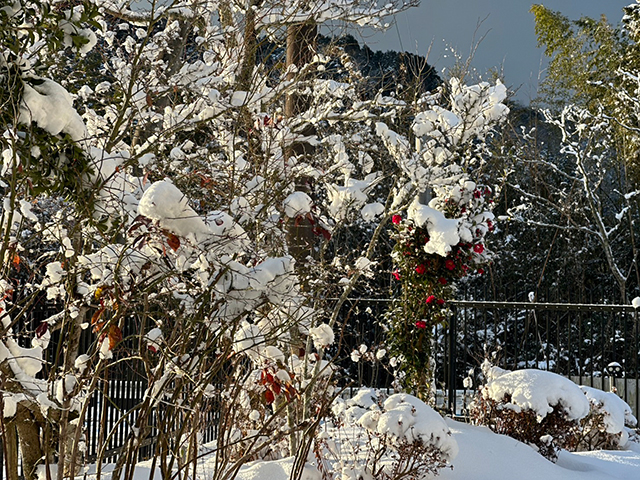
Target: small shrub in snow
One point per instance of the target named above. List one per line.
(606, 426)
(548, 436)
(405, 438)
(538, 408)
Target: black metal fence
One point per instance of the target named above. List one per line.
(112, 409)
(593, 344)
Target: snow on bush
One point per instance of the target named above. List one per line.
(404, 437)
(538, 391)
(407, 419)
(536, 407)
(606, 425)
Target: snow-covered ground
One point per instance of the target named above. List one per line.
(484, 455)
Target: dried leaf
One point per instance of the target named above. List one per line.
(173, 241)
(275, 388)
(115, 336)
(96, 316)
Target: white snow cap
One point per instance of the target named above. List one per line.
(51, 107)
(635, 302)
(371, 210)
(166, 204)
(296, 204)
(443, 232)
(408, 419)
(322, 336)
(538, 391)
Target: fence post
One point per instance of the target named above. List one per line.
(452, 362)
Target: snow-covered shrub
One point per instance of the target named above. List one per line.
(609, 422)
(539, 408)
(403, 438)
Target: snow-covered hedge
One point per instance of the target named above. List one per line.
(536, 407)
(549, 412)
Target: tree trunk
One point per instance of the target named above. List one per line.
(301, 47)
(10, 446)
(29, 435)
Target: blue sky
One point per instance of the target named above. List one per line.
(507, 26)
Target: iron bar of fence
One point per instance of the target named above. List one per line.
(576, 307)
(451, 405)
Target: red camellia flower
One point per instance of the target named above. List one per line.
(396, 275)
(420, 269)
(396, 219)
(440, 301)
(478, 248)
(450, 265)
(430, 299)
(442, 280)
(421, 324)
(481, 271)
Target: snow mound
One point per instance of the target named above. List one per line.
(297, 204)
(166, 204)
(275, 470)
(406, 418)
(538, 391)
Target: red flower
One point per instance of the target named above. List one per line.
(478, 248)
(421, 324)
(440, 301)
(481, 271)
(442, 280)
(450, 265)
(396, 275)
(477, 194)
(396, 219)
(430, 299)
(420, 269)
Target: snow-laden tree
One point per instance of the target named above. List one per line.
(584, 189)
(156, 175)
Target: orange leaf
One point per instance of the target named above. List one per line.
(96, 316)
(115, 336)
(173, 241)
(268, 396)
